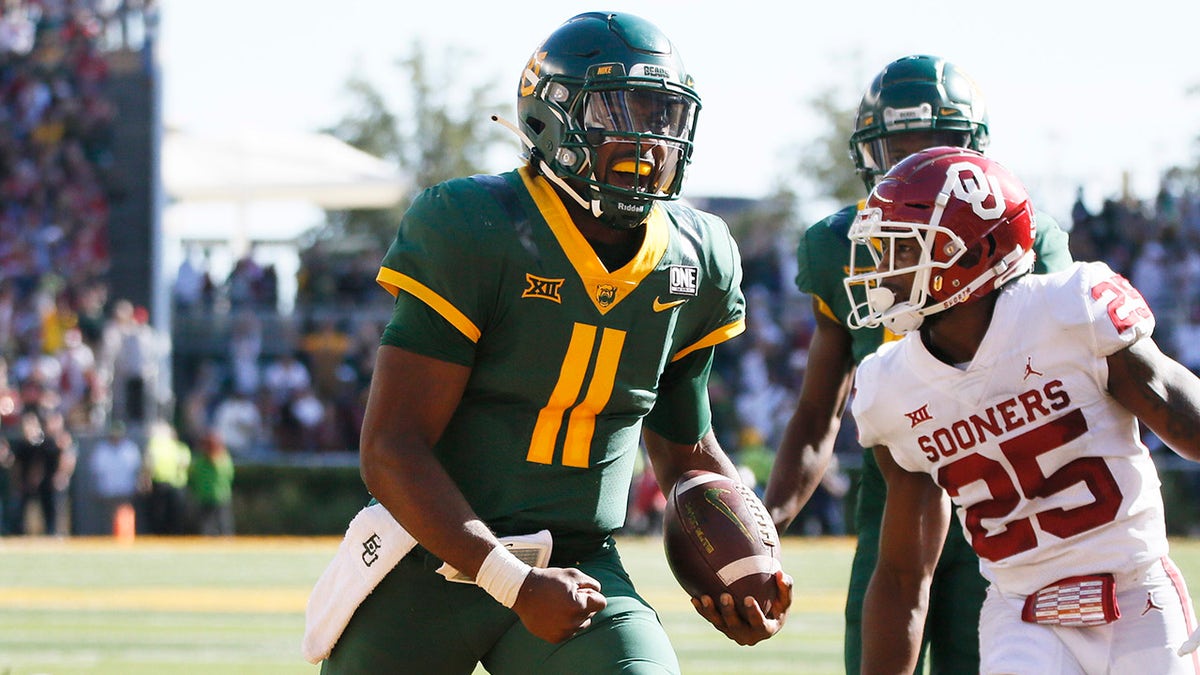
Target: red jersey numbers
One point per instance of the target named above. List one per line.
(1022, 452)
(1126, 306)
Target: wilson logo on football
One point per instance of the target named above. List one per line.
(719, 538)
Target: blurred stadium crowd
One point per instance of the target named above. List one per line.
(76, 363)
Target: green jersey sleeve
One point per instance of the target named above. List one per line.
(823, 263)
(822, 256)
(682, 412)
(709, 239)
(1049, 245)
(441, 269)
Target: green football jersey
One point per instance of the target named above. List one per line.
(567, 358)
(824, 262)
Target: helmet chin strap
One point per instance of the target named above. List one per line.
(592, 206)
(1015, 263)
(906, 318)
(904, 323)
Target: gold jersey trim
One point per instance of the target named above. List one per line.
(825, 309)
(714, 338)
(395, 282)
(606, 289)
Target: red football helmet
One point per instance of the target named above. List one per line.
(970, 220)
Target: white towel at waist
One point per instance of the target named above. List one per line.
(373, 544)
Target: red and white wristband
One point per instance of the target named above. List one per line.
(501, 575)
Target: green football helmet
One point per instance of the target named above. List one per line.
(916, 94)
(605, 106)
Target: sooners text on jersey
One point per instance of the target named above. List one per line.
(1025, 439)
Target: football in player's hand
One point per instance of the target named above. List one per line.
(719, 538)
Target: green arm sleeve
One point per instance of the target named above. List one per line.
(682, 413)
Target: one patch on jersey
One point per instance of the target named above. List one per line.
(685, 280)
(546, 289)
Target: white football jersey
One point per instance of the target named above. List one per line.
(1047, 470)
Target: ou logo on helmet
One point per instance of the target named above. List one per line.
(968, 182)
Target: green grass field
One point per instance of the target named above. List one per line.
(237, 606)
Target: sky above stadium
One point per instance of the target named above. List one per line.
(1079, 96)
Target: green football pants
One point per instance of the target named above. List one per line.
(952, 625)
(417, 622)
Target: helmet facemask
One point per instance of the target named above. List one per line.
(608, 114)
(881, 239)
(972, 230)
(627, 142)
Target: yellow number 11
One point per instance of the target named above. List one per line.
(581, 424)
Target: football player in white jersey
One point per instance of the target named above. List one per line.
(1018, 397)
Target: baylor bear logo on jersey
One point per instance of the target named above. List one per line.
(605, 294)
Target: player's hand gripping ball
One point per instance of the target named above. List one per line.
(719, 538)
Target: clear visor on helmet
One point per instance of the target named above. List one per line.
(638, 139)
(881, 154)
(640, 111)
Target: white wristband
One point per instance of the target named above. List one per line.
(501, 575)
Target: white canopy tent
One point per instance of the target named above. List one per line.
(271, 166)
(224, 193)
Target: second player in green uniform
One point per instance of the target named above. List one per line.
(913, 103)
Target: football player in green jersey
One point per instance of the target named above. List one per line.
(914, 103)
(546, 321)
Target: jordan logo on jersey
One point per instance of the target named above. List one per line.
(1029, 369)
(919, 416)
(1150, 604)
(546, 289)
